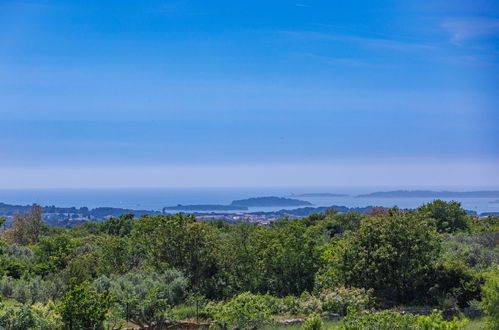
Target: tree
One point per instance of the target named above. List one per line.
(289, 257)
(84, 308)
(144, 298)
(490, 298)
(393, 254)
(446, 216)
(53, 252)
(113, 255)
(120, 226)
(179, 242)
(26, 227)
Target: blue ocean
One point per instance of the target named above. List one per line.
(157, 198)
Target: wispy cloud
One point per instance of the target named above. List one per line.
(392, 44)
(346, 61)
(467, 29)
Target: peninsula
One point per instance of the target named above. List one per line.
(432, 194)
(269, 201)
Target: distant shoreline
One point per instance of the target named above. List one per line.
(431, 194)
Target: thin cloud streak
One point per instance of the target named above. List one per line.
(468, 29)
(363, 41)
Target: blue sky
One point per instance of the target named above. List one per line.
(352, 89)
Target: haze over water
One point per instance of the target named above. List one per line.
(157, 198)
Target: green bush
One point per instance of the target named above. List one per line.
(394, 321)
(142, 297)
(243, 311)
(392, 254)
(84, 308)
(32, 289)
(490, 298)
(313, 323)
(341, 300)
(37, 317)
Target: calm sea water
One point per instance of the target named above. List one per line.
(157, 198)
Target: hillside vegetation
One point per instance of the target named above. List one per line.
(153, 271)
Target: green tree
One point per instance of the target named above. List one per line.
(120, 226)
(490, 298)
(113, 255)
(54, 252)
(289, 257)
(84, 308)
(179, 242)
(393, 254)
(144, 298)
(238, 261)
(447, 216)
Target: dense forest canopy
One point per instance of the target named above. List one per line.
(154, 269)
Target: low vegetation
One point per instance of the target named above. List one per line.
(356, 269)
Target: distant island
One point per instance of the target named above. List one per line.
(432, 194)
(320, 195)
(240, 205)
(270, 201)
(205, 207)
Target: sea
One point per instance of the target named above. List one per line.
(157, 198)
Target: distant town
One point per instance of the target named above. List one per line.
(236, 211)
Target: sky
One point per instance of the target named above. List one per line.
(248, 93)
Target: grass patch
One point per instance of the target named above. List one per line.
(477, 323)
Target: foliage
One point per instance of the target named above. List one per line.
(446, 216)
(53, 252)
(477, 250)
(281, 260)
(313, 323)
(26, 227)
(393, 321)
(490, 297)
(242, 274)
(180, 242)
(144, 298)
(243, 311)
(31, 290)
(25, 316)
(454, 284)
(333, 301)
(392, 254)
(341, 300)
(17, 318)
(121, 226)
(489, 223)
(84, 308)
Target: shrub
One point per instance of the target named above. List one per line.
(37, 316)
(446, 216)
(392, 254)
(341, 300)
(242, 311)
(313, 323)
(31, 290)
(490, 298)
(143, 297)
(46, 316)
(84, 308)
(395, 321)
(16, 318)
